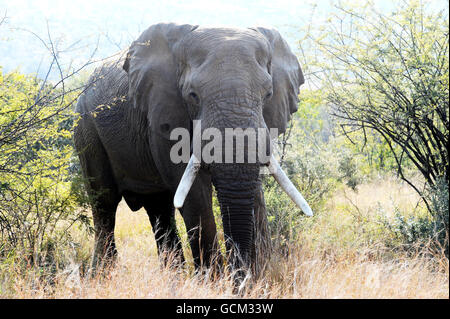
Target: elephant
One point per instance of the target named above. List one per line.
(172, 75)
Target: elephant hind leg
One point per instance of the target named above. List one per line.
(103, 192)
(161, 213)
(105, 251)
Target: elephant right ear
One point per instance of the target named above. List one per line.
(152, 74)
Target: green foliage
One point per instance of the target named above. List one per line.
(436, 226)
(39, 198)
(313, 160)
(431, 229)
(439, 198)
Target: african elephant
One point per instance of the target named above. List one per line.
(171, 75)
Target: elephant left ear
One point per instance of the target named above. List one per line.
(287, 76)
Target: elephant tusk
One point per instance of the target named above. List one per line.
(288, 187)
(186, 181)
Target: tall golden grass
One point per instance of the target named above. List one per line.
(336, 256)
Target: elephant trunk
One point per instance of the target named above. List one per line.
(236, 185)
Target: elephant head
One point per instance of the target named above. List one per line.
(227, 78)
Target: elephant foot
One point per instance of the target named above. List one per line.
(104, 258)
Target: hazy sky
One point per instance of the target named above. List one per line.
(117, 22)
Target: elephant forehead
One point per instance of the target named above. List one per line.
(224, 33)
(224, 40)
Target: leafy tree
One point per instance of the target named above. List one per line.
(389, 74)
(41, 191)
(39, 200)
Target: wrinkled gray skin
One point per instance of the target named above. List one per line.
(172, 75)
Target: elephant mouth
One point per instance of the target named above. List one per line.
(275, 170)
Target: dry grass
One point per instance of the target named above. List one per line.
(331, 260)
(387, 192)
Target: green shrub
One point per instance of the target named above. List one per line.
(431, 229)
(311, 159)
(39, 197)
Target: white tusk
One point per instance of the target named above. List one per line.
(186, 182)
(288, 187)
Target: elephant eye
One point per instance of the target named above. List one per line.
(268, 95)
(194, 98)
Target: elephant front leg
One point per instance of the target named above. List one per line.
(200, 224)
(262, 245)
